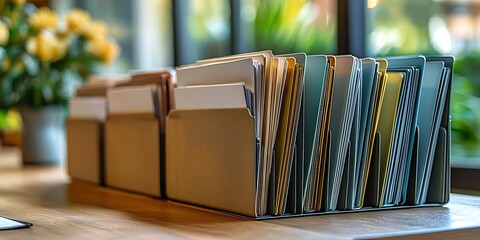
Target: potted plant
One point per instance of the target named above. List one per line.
(43, 58)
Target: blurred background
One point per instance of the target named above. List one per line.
(158, 33)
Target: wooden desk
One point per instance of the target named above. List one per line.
(60, 210)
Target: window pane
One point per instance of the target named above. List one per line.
(291, 26)
(203, 29)
(433, 27)
(403, 27)
(143, 29)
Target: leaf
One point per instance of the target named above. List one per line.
(31, 64)
(47, 93)
(3, 54)
(3, 119)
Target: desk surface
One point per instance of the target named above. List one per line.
(62, 210)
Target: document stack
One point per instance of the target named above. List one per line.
(264, 135)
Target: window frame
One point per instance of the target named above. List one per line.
(351, 39)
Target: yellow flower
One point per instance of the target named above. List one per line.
(14, 119)
(32, 46)
(47, 47)
(4, 34)
(17, 66)
(6, 64)
(106, 50)
(96, 30)
(62, 48)
(44, 18)
(18, 2)
(77, 21)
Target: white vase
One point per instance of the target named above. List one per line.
(43, 135)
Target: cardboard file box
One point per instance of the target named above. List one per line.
(133, 153)
(85, 150)
(211, 159)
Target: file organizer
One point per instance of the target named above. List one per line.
(211, 162)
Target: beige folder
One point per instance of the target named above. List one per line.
(132, 153)
(85, 150)
(211, 159)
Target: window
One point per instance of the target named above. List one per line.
(219, 27)
(158, 33)
(293, 26)
(143, 29)
(437, 27)
(202, 29)
(406, 27)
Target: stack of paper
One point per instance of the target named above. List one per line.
(90, 100)
(98, 84)
(372, 96)
(88, 108)
(315, 171)
(435, 87)
(150, 90)
(135, 99)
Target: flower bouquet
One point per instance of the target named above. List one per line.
(43, 57)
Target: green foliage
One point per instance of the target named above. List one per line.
(9, 120)
(295, 26)
(3, 120)
(396, 28)
(42, 61)
(15, 64)
(465, 106)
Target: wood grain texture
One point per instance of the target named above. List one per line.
(63, 210)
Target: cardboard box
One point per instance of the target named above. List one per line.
(85, 150)
(133, 153)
